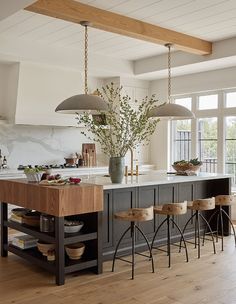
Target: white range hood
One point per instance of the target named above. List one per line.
(31, 92)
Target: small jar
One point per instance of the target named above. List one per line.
(46, 223)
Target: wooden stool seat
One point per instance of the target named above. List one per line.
(225, 200)
(135, 215)
(222, 216)
(171, 209)
(202, 204)
(197, 206)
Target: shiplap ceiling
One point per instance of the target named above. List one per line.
(207, 19)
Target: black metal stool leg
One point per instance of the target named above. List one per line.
(168, 239)
(231, 223)
(217, 227)
(209, 227)
(157, 232)
(149, 247)
(117, 246)
(222, 229)
(209, 221)
(133, 247)
(198, 233)
(185, 226)
(182, 237)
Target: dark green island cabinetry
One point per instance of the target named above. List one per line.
(123, 198)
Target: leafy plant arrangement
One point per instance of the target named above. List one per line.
(125, 127)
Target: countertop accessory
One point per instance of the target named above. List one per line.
(44, 248)
(83, 102)
(72, 226)
(168, 109)
(47, 223)
(75, 251)
(187, 167)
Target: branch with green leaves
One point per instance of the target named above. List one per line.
(121, 127)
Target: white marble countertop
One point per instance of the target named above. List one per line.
(81, 171)
(149, 178)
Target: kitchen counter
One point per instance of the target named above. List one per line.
(152, 177)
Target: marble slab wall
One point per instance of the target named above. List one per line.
(25, 145)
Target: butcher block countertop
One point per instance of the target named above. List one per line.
(54, 200)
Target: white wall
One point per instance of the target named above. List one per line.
(212, 80)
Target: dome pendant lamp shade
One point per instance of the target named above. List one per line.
(83, 102)
(171, 110)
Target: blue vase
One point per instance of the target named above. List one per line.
(116, 169)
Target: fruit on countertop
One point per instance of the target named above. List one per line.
(194, 162)
(54, 177)
(74, 180)
(29, 170)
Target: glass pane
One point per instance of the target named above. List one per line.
(185, 102)
(208, 102)
(182, 140)
(207, 143)
(231, 99)
(230, 147)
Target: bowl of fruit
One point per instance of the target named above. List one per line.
(34, 175)
(74, 180)
(184, 167)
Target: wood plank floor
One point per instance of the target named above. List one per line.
(211, 279)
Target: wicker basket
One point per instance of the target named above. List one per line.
(184, 168)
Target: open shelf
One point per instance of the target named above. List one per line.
(47, 237)
(34, 256)
(69, 238)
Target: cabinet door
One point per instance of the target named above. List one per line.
(107, 219)
(186, 193)
(123, 199)
(166, 194)
(147, 196)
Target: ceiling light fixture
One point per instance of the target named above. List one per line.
(83, 102)
(171, 110)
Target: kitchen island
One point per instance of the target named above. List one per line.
(151, 188)
(154, 188)
(84, 201)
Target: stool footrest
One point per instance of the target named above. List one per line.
(124, 260)
(144, 255)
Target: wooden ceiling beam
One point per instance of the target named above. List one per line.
(74, 11)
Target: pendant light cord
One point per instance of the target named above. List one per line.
(86, 60)
(169, 72)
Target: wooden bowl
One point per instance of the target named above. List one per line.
(75, 251)
(31, 219)
(44, 248)
(182, 169)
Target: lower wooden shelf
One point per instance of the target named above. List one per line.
(34, 256)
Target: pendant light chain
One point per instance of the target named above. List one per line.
(86, 60)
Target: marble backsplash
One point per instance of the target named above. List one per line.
(37, 145)
(23, 144)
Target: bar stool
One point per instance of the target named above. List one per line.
(198, 206)
(170, 210)
(134, 215)
(220, 201)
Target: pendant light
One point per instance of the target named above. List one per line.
(171, 110)
(83, 102)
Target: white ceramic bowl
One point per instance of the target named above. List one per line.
(73, 228)
(34, 177)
